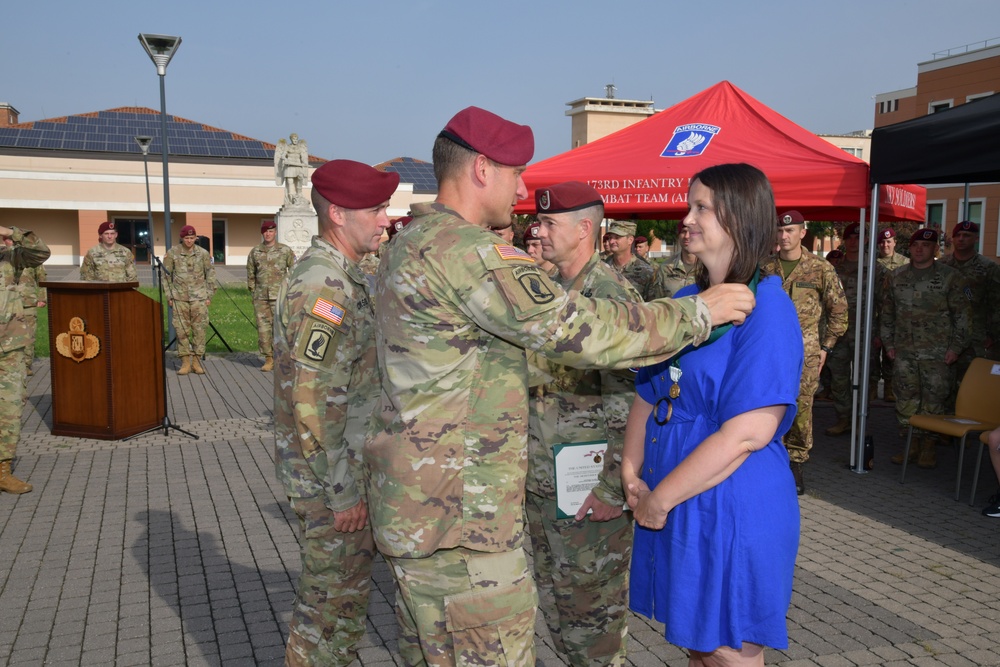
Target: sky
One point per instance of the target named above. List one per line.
(371, 81)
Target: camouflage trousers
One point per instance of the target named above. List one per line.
(12, 393)
(881, 366)
(264, 311)
(331, 603)
(463, 607)
(921, 386)
(190, 322)
(799, 439)
(31, 322)
(581, 570)
(840, 363)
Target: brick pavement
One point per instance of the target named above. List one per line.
(165, 550)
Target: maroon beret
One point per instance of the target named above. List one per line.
(966, 226)
(889, 233)
(834, 254)
(497, 138)
(188, 230)
(853, 229)
(397, 225)
(925, 234)
(641, 239)
(791, 218)
(354, 185)
(531, 232)
(568, 196)
(105, 226)
(266, 225)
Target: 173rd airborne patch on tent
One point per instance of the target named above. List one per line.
(690, 140)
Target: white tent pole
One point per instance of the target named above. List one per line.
(865, 349)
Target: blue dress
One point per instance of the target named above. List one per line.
(720, 572)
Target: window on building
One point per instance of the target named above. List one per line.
(935, 214)
(934, 107)
(855, 151)
(219, 241)
(975, 213)
(969, 98)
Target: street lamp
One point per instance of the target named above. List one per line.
(161, 48)
(144, 143)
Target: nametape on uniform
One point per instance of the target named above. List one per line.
(331, 311)
(509, 253)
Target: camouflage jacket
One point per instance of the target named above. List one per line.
(847, 271)
(191, 276)
(267, 266)
(456, 309)
(576, 405)
(818, 296)
(325, 377)
(670, 277)
(982, 279)
(926, 313)
(27, 285)
(116, 264)
(893, 261)
(28, 251)
(638, 271)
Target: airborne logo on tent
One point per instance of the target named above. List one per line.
(690, 140)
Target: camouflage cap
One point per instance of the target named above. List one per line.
(497, 138)
(966, 226)
(791, 218)
(621, 228)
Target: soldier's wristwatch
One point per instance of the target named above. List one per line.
(826, 349)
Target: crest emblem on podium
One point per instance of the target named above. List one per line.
(77, 344)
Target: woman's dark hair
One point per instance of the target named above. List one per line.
(744, 206)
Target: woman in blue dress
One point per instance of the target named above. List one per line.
(704, 468)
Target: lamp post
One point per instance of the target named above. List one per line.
(144, 143)
(161, 48)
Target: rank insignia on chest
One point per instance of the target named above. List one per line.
(331, 311)
(509, 253)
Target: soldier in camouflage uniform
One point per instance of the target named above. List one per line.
(841, 359)
(267, 266)
(815, 289)
(33, 297)
(639, 272)
(890, 260)
(925, 325)
(25, 251)
(982, 278)
(446, 454)
(533, 246)
(325, 388)
(107, 260)
(581, 563)
(671, 276)
(190, 286)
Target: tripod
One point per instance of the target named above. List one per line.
(167, 424)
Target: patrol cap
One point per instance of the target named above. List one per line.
(266, 225)
(105, 227)
(925, 234)
(835, 254)
(791, 218)
(354, 185)
(622, 228)
(531, 232)
(966, 226)
(568, 196)
(887, 234)
(188, 230)
(497, 138)
(397, 225)
(853, 229)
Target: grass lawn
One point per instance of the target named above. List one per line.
(231, 312)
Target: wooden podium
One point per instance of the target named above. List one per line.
(105, 343)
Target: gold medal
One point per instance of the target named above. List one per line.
(675, 390)
(675, 375)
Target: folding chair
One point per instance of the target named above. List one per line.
(976, 409)
(983, 442)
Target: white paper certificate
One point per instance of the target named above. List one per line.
(578, 466)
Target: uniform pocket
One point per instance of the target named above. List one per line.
(493, 626)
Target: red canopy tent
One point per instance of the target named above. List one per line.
(644, 170)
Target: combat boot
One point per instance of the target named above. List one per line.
(196, 364)
(928, 453)
(268, 364)
(914, 453)
(800, 486)
(9, 483)
(887, 392)
(185, 367)
(842, 426)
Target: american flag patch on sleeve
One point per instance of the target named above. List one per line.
(509, 253)
(330, 311)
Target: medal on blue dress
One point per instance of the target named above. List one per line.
(675, 376)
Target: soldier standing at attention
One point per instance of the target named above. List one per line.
(190, 286)
(642, 248)
(23, 252)
(638, 271)
(815, 289)
(267, 266)
(533, 246)
(841, 360)
(982, 278)
(890, 260)
(447, 451)
(581, 563)
(925, 325)
(107, 260)
(678, 272)
(32, 298)
(325, 388)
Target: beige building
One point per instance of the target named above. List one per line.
(596, 117)
(63, 177)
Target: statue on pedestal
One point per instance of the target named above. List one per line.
(291, 168)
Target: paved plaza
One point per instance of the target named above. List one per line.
(166, 550)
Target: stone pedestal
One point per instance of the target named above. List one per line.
(296, 227)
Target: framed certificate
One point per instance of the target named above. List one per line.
(577, 466)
